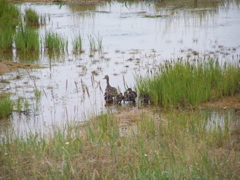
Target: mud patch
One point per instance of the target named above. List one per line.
(6, 66)
(225, 102)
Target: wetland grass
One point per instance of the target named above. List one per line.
(27, 40)
(7, 27)
(54, 43)
(31, 18)
(77, 45)
(9, 16)
(6, 106)
(184, 83)
(176, 145)
(6, 40)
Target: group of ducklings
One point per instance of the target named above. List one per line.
(111, 95)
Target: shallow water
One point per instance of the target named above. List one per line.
(136, 38)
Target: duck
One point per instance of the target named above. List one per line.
(126, 96)
(144, 98)
(109, 90)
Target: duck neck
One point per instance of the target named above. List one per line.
(108, 82)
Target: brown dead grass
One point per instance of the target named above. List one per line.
(225, 102)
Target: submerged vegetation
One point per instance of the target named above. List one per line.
(177, 145)
(184, 83)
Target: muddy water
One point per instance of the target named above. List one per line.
(136, 38)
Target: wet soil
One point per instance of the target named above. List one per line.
(6, 66)
(225, 102)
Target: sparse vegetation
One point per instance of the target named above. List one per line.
(175, 146)
(77, 44)
(184, 83)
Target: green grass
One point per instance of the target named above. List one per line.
(6, 40)
(27, 40)
(183, 83)
(175, 146)
(31, 18)
(9, 16)
(6, 106)
(54, 42)
(9, 19)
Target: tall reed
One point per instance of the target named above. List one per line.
(184, 83)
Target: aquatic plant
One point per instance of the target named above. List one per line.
(31, 18)
(77, 45)
(92, 43)
(9, 19)
(176, 145)
(37, 94)
(27, 40)
(95, 43)
(6, 106)
(183, 83)
(6, 40)
(100, 42)
(9, 16)
(53, 42)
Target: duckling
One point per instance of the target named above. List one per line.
(112, 91)
(144, 98)
(126, 96)
(108, 98)
(119, 97)
(130, 95)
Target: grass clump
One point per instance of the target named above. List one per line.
(54, 43)
(27, 40)
(77, 45)
(9, 16)
(183, 83)
(31, 18)
(175, 146)
(9, 19)
(6, 106)
(6, 40)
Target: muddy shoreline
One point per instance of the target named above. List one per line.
(7, 66)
